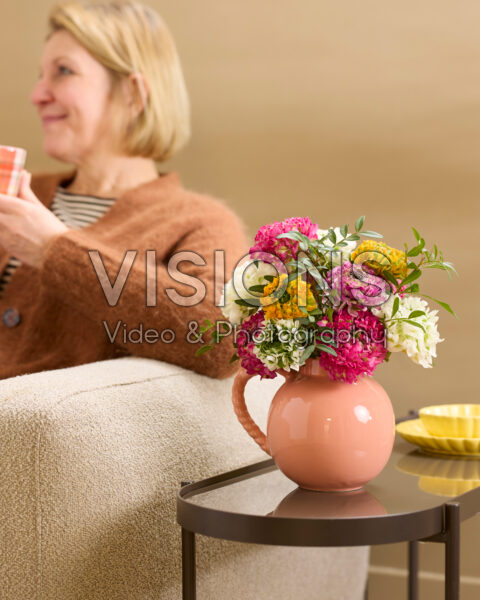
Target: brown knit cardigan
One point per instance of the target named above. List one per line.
(62, 310)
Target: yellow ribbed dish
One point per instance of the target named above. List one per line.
(452, 420)
(414, 432)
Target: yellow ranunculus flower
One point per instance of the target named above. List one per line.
(289, 309)
(383, 258)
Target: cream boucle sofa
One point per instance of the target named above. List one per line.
(91, 460)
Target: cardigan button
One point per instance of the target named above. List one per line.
(11, 317)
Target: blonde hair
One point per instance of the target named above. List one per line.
(129, 38)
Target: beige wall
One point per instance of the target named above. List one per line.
(328, 109)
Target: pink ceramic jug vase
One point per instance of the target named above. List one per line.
(324, 435)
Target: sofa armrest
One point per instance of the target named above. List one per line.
(91, 459)
(89, 453)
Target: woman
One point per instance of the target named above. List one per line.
(84, 255)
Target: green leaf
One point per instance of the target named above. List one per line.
(233, 358)
(389, 277)
(294, 235)
(409, 278)
(415, 251)
(416, 234)
(270, 278)
(203, 350)
(255, 262)
(307, 353)
(444, 266)
(416, 313)
(225, 326)
(442, 304)
(450, 266)
(242, 302)
(256, 288)
(293, 277)
(353, 237)
(327, 349)
(303, 320)
(396, 305)
(373, 234)
(412, 289)
(415, 324)
(344, 230)
(322, 248)
(359, 223)
(332, 236)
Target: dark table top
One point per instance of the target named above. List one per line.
(405, 501)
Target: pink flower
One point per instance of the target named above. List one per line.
(360, 345)
(286, 249)
(357, 290)
(249, 361)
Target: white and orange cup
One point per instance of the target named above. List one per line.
(12, 161)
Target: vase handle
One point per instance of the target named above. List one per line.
(240, 408)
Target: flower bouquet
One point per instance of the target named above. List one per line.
(305, 292)
(324, 308)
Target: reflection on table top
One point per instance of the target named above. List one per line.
(411, 481)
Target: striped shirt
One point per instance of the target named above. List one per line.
(75, 210)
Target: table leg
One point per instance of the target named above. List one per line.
(452, 551)
(413, 570)
(189, 591)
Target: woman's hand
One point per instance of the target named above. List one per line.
(26, 225)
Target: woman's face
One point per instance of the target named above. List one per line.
(73, 100)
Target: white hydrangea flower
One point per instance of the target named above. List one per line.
(286, 354)
(418, 345)
(235, 290)
(347, 250)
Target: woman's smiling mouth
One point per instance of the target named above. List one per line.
(52, 119)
